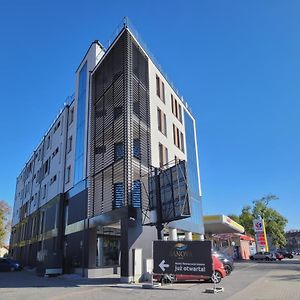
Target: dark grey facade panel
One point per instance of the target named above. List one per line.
(40, 236)
(73, 251)
(50, 217)
(77, 207)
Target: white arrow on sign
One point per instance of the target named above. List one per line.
(163, 265)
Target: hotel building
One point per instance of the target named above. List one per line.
(82, 199)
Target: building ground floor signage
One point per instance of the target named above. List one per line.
(182, 257)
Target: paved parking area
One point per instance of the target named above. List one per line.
(250, 280)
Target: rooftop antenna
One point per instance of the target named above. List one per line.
(125, 22)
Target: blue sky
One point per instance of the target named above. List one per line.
(237, 63)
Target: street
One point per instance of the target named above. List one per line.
(249, 280)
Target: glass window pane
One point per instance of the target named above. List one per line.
(118, 195)
(136, 194)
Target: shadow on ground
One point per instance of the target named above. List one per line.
(23, 279)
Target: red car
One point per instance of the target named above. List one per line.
(279, 255)
(219, 273)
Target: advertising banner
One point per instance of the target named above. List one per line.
(182, 257)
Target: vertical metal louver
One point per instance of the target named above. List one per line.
(120, 129)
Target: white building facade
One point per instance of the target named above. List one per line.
(82, 199)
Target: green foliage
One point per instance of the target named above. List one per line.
(4, 223)
(235, 218)
(274, 221)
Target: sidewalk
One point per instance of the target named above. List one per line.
(278, 284)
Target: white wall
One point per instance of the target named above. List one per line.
(155, 102)
(28, 188)
(35, 195)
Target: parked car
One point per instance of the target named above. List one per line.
(226, 260)
(263, 256)
(219, 273)
(286, 254)
(7, 264)
(278, 255)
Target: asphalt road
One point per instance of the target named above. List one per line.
(249, 280)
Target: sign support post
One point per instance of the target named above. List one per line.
(159, 225)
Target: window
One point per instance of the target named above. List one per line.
(55, 152)
(136, 108)
(44, 191)
(71, 117)
(163, 155)
(136, 194)
(66, 213)
(35, 199)
(47, 166)
(42, 222)
(118, 195)
(179, 113)
(40, 154)
(181, 142)
(136, 148)
(53, 179)
(178, 138)
(163, 92)
(33, 227)
(48, 142)
(157, 86)
(80, 125)
(68, 174)
(176, 108)
(160, 89)
(162, 122)
(174, 135)
(191, 154)
(100, 150)
(69, 144)
(56, 126)
(100, 113)
(119, 151)
(117, 112)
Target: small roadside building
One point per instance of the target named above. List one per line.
(3, 251)
(228, 236)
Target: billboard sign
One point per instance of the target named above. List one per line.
(173, 192)
(182, 257)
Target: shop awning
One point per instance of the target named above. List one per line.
(221, 224)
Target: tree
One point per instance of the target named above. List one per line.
(235, 218)
(274, 221)
(4, 221)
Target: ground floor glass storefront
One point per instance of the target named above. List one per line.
(108, 246)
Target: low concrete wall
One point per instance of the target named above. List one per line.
(101, 272)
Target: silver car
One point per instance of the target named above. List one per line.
(263, 256)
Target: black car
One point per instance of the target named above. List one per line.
(7, 264)
(226, 260)
(286, 254)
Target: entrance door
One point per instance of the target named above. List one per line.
(108, 249)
